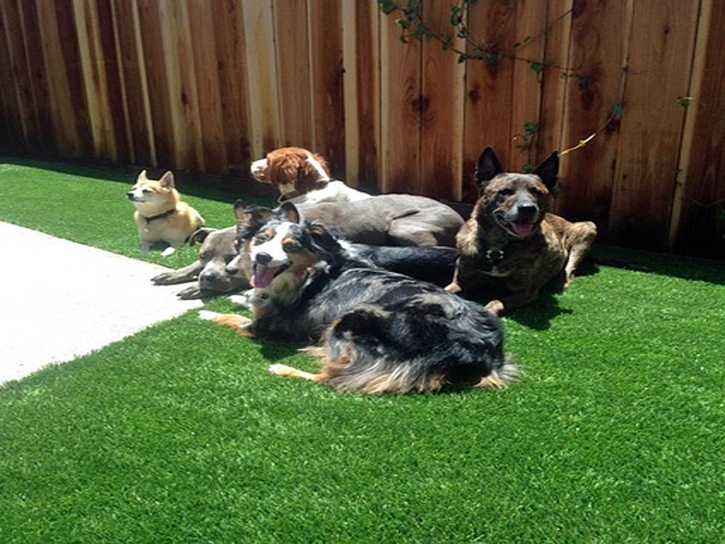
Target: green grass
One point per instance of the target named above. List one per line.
(178, 434)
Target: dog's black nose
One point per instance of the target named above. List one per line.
(263, 258)
(527, 211)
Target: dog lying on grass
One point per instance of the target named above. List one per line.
(379, 332)
(209, 271)
(221, 269)
(302, 177)
(511, 247)
(161, 215)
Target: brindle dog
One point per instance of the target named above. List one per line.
(511, 247)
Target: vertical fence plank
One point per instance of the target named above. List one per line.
(488, 106)
(294, 74)
(556, 60)
(659, 71)
(152, 56)
(400, 97)
(264, 113)
(441, 109)
(327, 90)
(530, 16)
(207, 108)
(594, 82)
(699, 216)
(134, 83)
(93, 68)
(360, 22)
(182, 93)
(18, 64)
(233, 84)
(11, 110)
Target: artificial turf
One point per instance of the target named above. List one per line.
(178, 433)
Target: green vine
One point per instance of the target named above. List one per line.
(414, 27)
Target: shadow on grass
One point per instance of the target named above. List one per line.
(218, 188)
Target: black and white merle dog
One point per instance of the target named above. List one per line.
(378, 331)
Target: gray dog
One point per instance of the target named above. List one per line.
(216, 252)
(389, 220)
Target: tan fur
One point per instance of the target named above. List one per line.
(152, 198)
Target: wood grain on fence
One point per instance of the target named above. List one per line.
(210, 85)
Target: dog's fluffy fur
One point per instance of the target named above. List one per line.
(302, 177)
(511, 247)
(161, 215)
(380, 331)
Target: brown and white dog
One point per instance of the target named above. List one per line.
(302, 177)
(161, 215)
(511, 247)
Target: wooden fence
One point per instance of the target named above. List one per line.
(208, 85)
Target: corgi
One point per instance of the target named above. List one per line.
(161, 215)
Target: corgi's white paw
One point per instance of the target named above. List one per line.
(206, 314)
(168, 251)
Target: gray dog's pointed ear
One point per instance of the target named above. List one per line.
(487, 166)
(200, 235)
(548, 170)
(289, 212)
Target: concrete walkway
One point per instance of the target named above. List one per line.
(60, 300)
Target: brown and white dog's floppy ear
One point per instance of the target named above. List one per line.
(289, 212)
(548, 170)
(487, 166)
(167, 180)
(200, 235)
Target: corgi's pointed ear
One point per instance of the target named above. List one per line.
(289, 212)
(487, 166)
(167, 180)
(143, 175)
(548, 170)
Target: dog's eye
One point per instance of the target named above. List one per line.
(204, 255)
(506, 192)
(146, 191)
(260, 238)
(291, 245)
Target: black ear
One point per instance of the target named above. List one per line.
(250, 214)
(289, 212)
(549, 170)
(487, 166)
(239, 207)
(323, 237)
(200, 235)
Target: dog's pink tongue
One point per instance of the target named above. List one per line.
(521, 228)
(263, 276)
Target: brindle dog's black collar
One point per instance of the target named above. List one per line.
(159, 216)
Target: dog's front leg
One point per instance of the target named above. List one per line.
(182, 275)
(242, 325)
(516, 299)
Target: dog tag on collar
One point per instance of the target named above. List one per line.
(494, 255)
